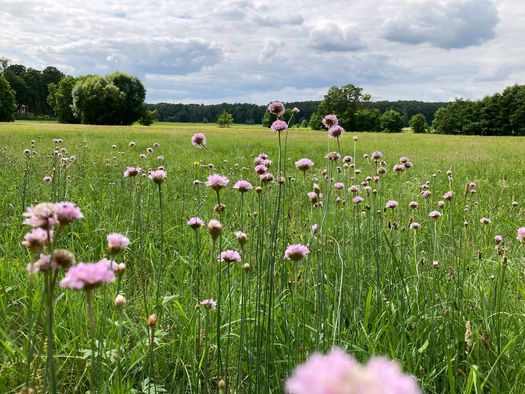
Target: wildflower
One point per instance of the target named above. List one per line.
(330, 121)
(391, 204)
(296, 252)
(304, 164)
(37, 239)
(157, 176)
(217, 182)
(426, 193)
(357, 200)
(152, 320)
(132, 172)
(338, 373)
(279, 126)
(314, 197)
(398, 168)
(413, 204)
(42, 215)
(215, 228)
(87, 276)
(120, 301)
(484, 221)
(498, 239)
(435, 214)
(441, 204)
(276, 108)
(354, 189)
(403, 159)
(381, 170)
(266, 177)
(131, 144)
(376, 155)
(260, 169)
(208, 304)
(195, 222)
(160, 158)
(348, 159)
(43, 264)
(198, 140)
(117, 242)
(521, 234)
(333, 156)
(67, 212)
(242, 238)
(408, 164)
(243, 186)
(415, 226)
(339, 185)
(62, 258)
(448, 195)
(314, 228)
(335, 131)
(230, 256)
(296, 110)
(143, 156)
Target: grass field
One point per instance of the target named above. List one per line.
(445, 301)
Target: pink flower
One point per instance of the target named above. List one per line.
(67, 212)
(117, 242)
(330, 121)
(243, 186)
(296, 252)
(413, 204)
(484, 221)
(230, 256)
(435, 214)
(42, 264)
(348, 159)
(208, 304)
(157, 176)
(296, 110)
(314, 228)
(426, 193)
(448, 195)
(276, 108)
(37, 239)
(333, 156)
(391, 204)
(441, 203)
(398, 168)
(335, 131)
(357, 200)
(415, 226)
(279, 126)
(521, 234)
(403, 159)
(198, 140)
(217, 182)
(304, 164)
(339, 185)
(376, 155)
(242, 238)
(266, 177)
(354, 189)
(261, 169)
(498, 239)
(132, 172)
(313, 196)
(41, 215)
(195, 222)
(87, 276)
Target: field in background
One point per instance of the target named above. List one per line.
(369, 285)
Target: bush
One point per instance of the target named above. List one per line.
(7, 101)
(418, 123)
(391, 121)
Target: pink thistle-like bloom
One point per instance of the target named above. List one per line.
(47, 179)
(415, 226)
(304, 164)
(335, 131)
(242, 238)
(243, 186)
(37, 239)
(484, 221)
(43, 264)
(338, 373)
(330, 121)
(398, 168)
(376, 155)
(296, 110)
(381, 170)
(426, 193)
(391, 204)
(157, 176)
(521, 234)
(217, 182)
(448, 195)
(230, 256)
(296, 252)
(435, 214)
(117, 242)
(276, 108)
(424, 186)
(354, 189)
(132, 172)
(333, 156)
(339, 185)
(208, 304)
(314, 197)
(266, 177)
(413, 204)
(357, 199)
(87, 276)
(195, 222)
(498, 239)
(132, 144)
(314, 228)
(41, 215)
(472, 184)
(408, 164)
(198, 140)
(261, 169)
(67, 212)
(403, 159)
(441, 203)
(279, 126)
(348, 159)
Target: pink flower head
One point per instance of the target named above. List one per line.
(157, 176)
(357, 200)
(333, 156)
(314, 197)
(376, 155)
(435, 214)
(230, 256)
(415, 226)
(391, 204)
(208, 304)
(426, 193)
(266, 177)
(348, 159)
(117, 242)
(43, 264)
(87, 276)
(198, 140)
(448, 195)
(67, 212)
(276, 108)
(521, 234)
(195, 222)
(304, 164)
(381, 170)
(42, 215)
(37, 239)
(261, 169)
(314, 228)
(242, 238)
(279, 126)
(408, 164)
(398, 168)
(131, 144)
(217, 182)
(296, 110)
(498, 239)
(296, 252)
(403, 159)
(132, 172)
(441, 203)
(243, 186)
(339, 185)
(354, 189)
(472, 184)
(413, 204)
(335, 131)
(484, 221)
(330, 121)
(47, 179)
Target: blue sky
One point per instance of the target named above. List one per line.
(208, 51)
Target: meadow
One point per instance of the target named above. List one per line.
(442, 295)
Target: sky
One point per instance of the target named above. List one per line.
(213, 51)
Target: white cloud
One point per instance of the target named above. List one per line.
(332, 37)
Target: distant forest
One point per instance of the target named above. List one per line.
(254, 114)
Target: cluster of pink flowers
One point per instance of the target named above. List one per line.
(304, 164)
(339, 373)
(217, 182)
(296, 252)
(208, 304)
(87, 276)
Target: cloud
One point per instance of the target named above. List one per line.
(248, 12)
(332, 37)
(444, 24)
(270, 50)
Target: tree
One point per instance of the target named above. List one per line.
(225, 119)
(131, 108)
(60, 100)
(391, 121)
(315, 122)
(148, 117)
(368, 119)
(7, 101)
(343, 101)
(418, 123)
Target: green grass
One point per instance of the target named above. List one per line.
(368, 285)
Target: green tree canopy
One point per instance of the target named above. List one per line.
(60, 100)
(391, 121)
(225, 119)
(7, 101)
(418, 123)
